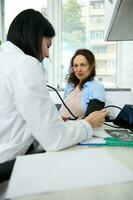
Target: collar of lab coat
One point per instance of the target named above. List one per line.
(9, 46)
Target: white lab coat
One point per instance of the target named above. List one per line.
(27, 112)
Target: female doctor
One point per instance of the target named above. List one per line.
(26, 111)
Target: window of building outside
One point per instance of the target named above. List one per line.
(82, 26)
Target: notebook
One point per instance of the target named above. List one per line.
(111, 137)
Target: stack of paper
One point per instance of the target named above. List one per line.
(98, 138)
(56, 171)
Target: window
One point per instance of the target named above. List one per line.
(97, 35)
(78, 24)
(99, 49)
(12, 11)
(83, 27)
(97, 4)
(97, 21)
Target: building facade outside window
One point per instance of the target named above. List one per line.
(83, 27)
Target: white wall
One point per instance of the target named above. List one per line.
(113, 97)
(127, 64)
(118, 98)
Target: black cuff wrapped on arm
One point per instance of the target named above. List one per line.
(94, 105)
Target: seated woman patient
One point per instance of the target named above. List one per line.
(83, 94)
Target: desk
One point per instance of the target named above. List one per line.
(121, 191)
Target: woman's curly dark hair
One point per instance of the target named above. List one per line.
(91, 60)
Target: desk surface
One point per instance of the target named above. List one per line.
(121, 191)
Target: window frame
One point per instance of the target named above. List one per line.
(54, 13)
(2, 16)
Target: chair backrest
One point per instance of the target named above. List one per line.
(58, 105)
(6, 170)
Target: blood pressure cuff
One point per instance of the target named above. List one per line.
(94, 105)
(125, 117)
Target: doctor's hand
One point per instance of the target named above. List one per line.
(97, 118)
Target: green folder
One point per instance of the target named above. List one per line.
(116, 137)
(118, 142)
(122, 138)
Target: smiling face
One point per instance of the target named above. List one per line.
(46, 43)
(81, 67)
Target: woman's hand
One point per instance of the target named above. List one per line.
(65, 118)
(97, 118)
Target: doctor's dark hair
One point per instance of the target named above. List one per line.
(27, 31)
(91, 61)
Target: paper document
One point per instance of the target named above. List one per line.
(56, 171)
(98, 138)
(94, 141)
(100, 132)
(110, 137)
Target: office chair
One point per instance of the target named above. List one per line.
(6, 170)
